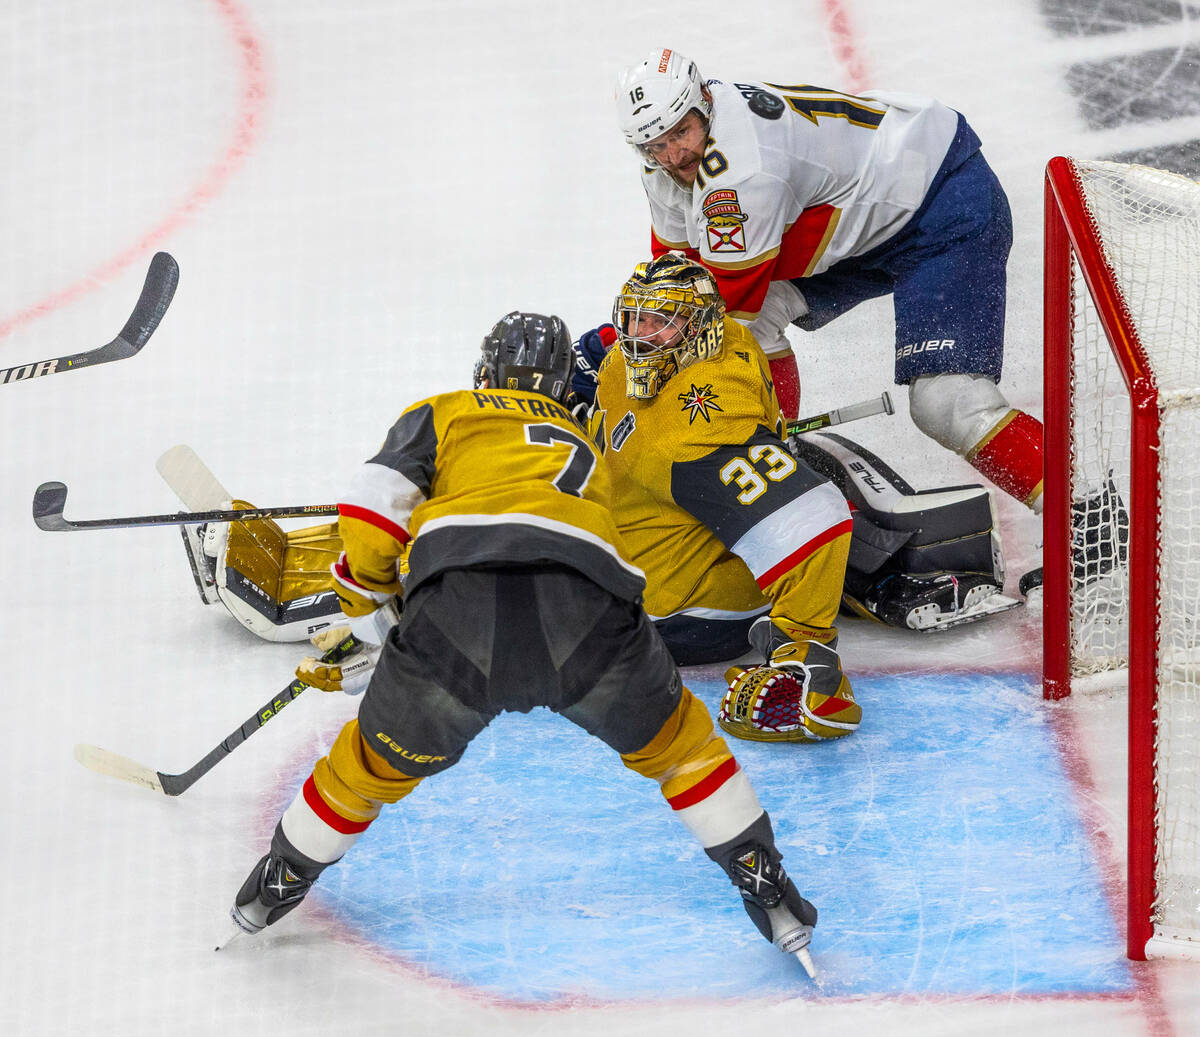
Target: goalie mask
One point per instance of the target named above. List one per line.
(527, 351)
(669, 314)
(654, 96)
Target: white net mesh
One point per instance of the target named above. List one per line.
(1148, 223)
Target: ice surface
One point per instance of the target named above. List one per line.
(355, 192)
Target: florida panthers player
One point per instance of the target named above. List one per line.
(804, 202)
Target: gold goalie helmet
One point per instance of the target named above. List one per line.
(669, 314)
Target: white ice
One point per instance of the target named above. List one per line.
(355, 192)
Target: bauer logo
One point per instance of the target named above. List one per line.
(932, 345)
(407, 754)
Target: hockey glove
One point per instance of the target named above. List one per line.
(801, 695)
(371, 613)
(589, 354)
(351, 674)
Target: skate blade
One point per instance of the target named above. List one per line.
(230, 934)
(805, 959)
(239, 926)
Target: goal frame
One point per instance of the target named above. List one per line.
(1070, 232)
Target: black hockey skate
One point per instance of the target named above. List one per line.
(935, 602)
(1030, 582)
(1099, 534)
(270, 891)
(772, 901)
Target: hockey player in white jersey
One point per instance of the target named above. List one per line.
(804, 202)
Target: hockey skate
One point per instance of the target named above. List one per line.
(1099, 534)
(930, 603)
(202, 564)
(773, 903)
(270, 891)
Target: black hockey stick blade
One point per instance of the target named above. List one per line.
(50, 499)
(104, 762)
(157, 293)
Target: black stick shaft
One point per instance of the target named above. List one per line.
(174, 784)
(50, 498)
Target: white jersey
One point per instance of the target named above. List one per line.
(796, 178)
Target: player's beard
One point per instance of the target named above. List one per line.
(687, 186)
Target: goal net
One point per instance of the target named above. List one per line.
(1122, 503)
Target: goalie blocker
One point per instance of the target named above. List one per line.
(923, 560)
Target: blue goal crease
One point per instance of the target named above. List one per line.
(939, 842)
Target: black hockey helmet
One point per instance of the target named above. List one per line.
(527, 351)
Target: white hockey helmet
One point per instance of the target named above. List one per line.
(653, 96)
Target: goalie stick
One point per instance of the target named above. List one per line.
(156, 296)
(104, 762)
(840, 415)
(50, 498)
(180, 463)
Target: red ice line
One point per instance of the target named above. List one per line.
(845, 44)
(253, 97)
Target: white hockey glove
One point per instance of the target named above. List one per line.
(350, 674)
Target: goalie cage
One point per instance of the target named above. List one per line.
(1121, 598)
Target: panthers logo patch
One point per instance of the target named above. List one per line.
(726, 232)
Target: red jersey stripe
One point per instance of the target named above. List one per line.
(706, 786)
(327, 814)
(801, 553)
(373, 518)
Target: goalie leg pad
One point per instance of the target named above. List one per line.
(801, 695)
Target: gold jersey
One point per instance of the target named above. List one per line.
(707, 496)
(487, 477)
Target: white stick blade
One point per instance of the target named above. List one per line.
(104, 762)
(191, 479)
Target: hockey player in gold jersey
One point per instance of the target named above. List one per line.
(732, 531)
(519, 594)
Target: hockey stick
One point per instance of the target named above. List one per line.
(104, 762)
(156, 296)
(880, 405)
(50, 498)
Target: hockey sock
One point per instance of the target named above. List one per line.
(1010, 455)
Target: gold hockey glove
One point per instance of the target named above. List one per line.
(801, 695)
(351, 675)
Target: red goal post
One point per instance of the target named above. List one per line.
(1121, 598)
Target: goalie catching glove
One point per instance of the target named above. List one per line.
(801, 695)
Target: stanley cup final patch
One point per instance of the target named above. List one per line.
(725, 220)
